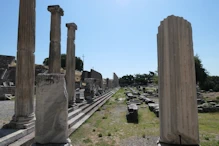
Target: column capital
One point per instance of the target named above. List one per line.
(55, 9)
(69, 25)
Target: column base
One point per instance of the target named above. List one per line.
(159, 143)
(21, 122)
(54, 144)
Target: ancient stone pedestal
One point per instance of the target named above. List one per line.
(177, 86)
(70, 63)
(51, 110)
(24, 116)
(55, 38)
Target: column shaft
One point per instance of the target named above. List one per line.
(25, 69)
(70, 62)
(177, 86)
(55, 38)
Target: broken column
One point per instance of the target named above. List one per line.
(177, 86)
(24, 116)
(51, 110)
(70, 63)
(51, 126)
(55, 38)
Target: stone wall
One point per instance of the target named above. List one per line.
(115, 80)
(93, 74)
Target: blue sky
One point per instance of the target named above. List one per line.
(117, 35)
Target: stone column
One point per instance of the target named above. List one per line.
(70, 62)
(55, 38)
(177, 86)
(24, 116)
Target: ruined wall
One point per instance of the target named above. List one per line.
(93, 74)
(115, 80)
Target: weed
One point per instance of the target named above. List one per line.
(207, 138)
(100, 135)
(87, 140)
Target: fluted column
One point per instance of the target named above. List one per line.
(177, 86)
(55, 38)
(25, 69)
(70, 62)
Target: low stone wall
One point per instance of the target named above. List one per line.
(6, 90)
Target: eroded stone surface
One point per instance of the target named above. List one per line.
(55, 38)
(177, 86)
(25, 73)
(70, 62)
(51, 109)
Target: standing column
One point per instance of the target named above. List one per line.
(177, 86)
(25, 70)
(70, 63)
(55, 38)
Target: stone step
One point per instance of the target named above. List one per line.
(4, 141)
(84, 112)
(29, 138)
(77, 111)
(71, 109)
(85, 117)
(24, 141)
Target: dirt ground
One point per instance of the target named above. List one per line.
(211, 95)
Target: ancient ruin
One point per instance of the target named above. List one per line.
(54, 99)
(25, 74)
(115, 80)
(177, 86)
(55, 38)
(70, 63)
(51, 110)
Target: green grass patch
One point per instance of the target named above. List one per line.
(111, 123)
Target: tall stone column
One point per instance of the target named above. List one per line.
(70, 62)
(55, 38)
(177, 86)
(25, 70)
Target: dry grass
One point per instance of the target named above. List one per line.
(110, 123)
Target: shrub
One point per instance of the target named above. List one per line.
(206, 138)
(100, 135)
(104, 117)
(109, 134)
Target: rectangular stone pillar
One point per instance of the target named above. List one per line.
(70, 63)
(25, 69)
(51, 110)
(177, 86)
(55, 38)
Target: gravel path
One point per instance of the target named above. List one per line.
(6, 111)
(138, 141)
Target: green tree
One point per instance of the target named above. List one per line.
(78, 62)
(200, 71)
(141, 79)
(126, 80)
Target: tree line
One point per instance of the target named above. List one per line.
(203, 79)
(78, 62)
